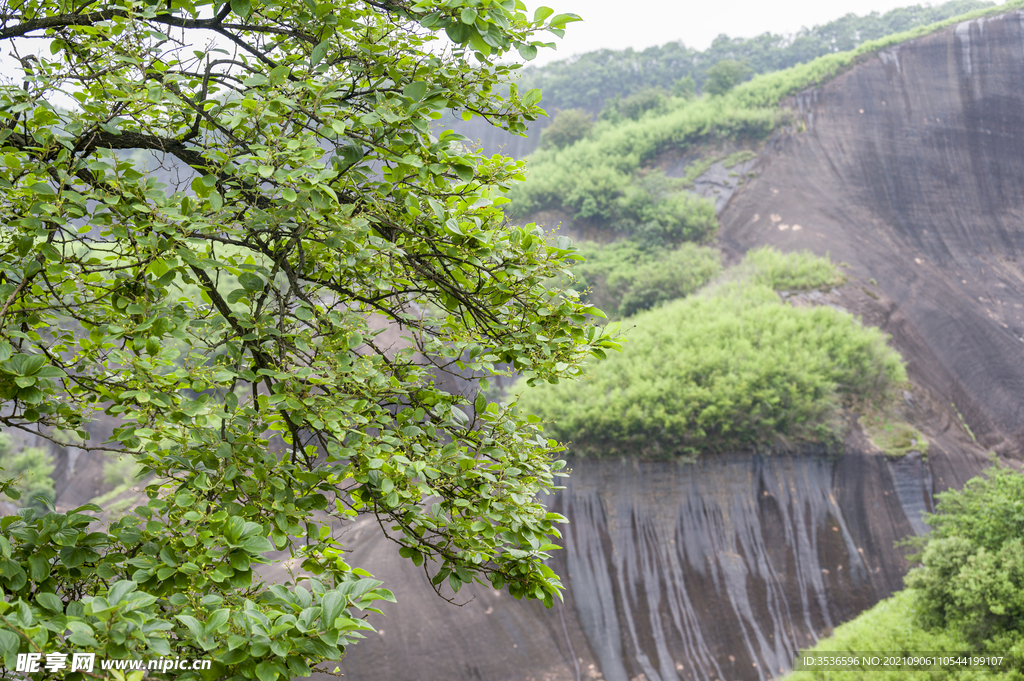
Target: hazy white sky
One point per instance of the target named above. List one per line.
(616, 24)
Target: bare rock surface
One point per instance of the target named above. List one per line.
(910, 169)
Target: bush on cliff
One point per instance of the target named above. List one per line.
(732, 367)
(624, 278)
(798, 271)
(966, 596)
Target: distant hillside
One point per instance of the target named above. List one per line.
(589, 81)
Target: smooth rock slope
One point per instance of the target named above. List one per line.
(910, 168)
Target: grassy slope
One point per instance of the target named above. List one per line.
(587, 177)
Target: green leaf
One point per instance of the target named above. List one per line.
(81, 634)
(33, 363)
(120, 590)
(415, 90)
(318, 53)
(241, 7)
(195, 627)
(542, 13)
(51, 602)
(51, 372)
(42, 188)
(464, 172)
(9, 642)
(459, 33)
(332, 605)
(256, 544)
(216, 620)
(266, 671)
(279, 73)
(527, 52)
(200, 187)
(560, 20)
(72, 556)
(67, 536)
(39, 568)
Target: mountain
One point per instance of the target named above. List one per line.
(909, 169)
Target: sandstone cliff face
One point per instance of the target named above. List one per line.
(722, 569)
(910, 168)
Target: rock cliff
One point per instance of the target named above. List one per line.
(910, 169)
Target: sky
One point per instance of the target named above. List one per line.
(615, 24)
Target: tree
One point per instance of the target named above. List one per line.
(569, 126)
(724, 76)
(216, 213)
(971, 577)
(685, 88)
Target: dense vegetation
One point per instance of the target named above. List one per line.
(966, 596)
(568, 128)
(798, 271)
(624, 277)
(588, 179)
(731, 367)
(308, 200)
(590, 80)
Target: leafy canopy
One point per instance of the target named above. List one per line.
(241, 241)
(567, 127)
(725, 75)
(624, 278)
(972, 575)
(594, 79)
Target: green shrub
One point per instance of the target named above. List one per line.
(658, 219)
(685, 88)
(796, 271)
(568, 127)
(734, 367)
(635, 105)
(724, 76)
(971, 580)
(31, 468)
(967, 596)
(675, 274)
(623, 278)
(596, 171)
(891, 626)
